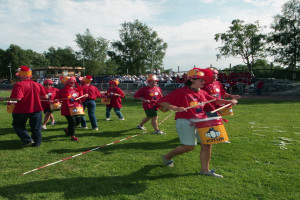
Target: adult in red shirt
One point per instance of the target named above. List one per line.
(216, 89)
(51, 92)
(27, 93)
(68, 95)
(178, 100)
(90, 102)
(150, 95)
(115, 94)
(259, 87)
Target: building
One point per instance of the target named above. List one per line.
(56, 72)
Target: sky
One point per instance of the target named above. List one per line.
(187, 26)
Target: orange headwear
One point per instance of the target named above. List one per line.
(64, 79)
(152, 78)
(205, 74)
(86, 79)
(115, 82)
(24, 71)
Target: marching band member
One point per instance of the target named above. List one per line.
(115, 95)
(150, 94)
(68, 95)
(178, 100)
(216, 89)
(89, 102)
(51, 91)
(27, 93)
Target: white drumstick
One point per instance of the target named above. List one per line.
(200, 104)
(221, 108)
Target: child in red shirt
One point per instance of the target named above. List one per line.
(150, 95)
(115, 94)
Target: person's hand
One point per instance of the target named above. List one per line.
(234, 101)
(235, 96)
(86, 95)
(147, 101)
(179, 109)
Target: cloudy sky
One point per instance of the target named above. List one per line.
(188, 26)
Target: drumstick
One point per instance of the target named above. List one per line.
(80, 97)
(201, 103)
(221, 108)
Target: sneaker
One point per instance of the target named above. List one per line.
(211, 173)
(121, 119)
(28, 144)
(227, 142)
(75, 139)
(107, 119)
(52, 123)
(96, 129)
(44, 127)
(159, 132)
(85, 127)
(168, 163)
(141, 127)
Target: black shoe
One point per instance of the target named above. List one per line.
(27, 144)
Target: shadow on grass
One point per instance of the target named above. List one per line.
(88, 187)
(10, 144)
(5, 131)
(117, 147)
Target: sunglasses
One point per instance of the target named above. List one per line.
(72, 82)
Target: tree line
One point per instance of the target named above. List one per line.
(140, 49)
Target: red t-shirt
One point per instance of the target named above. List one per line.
(92, 91)
(66, 102)
(51, 93)
(215, 89)
(115, 101)
(29, 92)
(185, 97)
(150, 93)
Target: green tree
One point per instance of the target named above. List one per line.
(93, 51)
(139, 49)
(285, 38)
(62, 57)
(242, 40)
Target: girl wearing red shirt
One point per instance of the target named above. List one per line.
(51, 91)
(182, 98)
(115, 95)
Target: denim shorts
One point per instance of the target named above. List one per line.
(188, 135)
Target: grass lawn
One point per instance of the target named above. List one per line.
(261, 162)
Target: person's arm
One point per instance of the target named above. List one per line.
(232, 96)
(172, 107)
(223, 101)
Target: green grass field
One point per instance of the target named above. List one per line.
(261, 162)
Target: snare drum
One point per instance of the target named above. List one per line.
(226, 111)
(11, 106)
(56, 105)
(211, 130)
(76, 109)
(105, 100)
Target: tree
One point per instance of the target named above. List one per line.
(285, 39)
(62, 57)
(139, 48)
(93, 51)
(242, 40)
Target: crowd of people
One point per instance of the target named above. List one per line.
(196, 105)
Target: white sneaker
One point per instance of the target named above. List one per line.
(211, 173)
(96, 129)
(141, 127)
(44, 127)
(85, 127)
(121, 119)
(168, 163)
(52, 123)
(159, 132)
(107, 119)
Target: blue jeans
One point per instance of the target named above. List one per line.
(35, 122)
(117, 111)
(91, 106)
